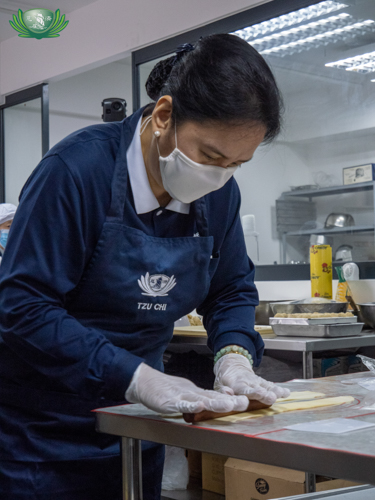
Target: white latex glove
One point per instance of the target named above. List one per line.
(167, 394)
(234, 375)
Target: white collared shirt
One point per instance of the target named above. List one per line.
(144, 199)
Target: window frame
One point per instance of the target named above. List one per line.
(38, 91)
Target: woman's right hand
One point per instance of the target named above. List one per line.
(167, 394)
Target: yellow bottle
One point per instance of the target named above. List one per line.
(321, 271)
(343, 289)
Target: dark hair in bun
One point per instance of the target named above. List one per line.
(158, 76)
(223, 79)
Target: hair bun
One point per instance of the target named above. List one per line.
(158, 76)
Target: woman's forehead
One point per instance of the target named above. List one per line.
(224, 138)
(222, 129)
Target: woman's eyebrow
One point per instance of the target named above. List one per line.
(216, 151)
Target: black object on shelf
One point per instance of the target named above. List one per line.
(114, 109)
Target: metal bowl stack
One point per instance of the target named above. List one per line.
(295, 308)
(367, 314)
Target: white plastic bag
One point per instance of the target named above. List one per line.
(176, 470)
(368, 362)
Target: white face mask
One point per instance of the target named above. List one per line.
(186, 181)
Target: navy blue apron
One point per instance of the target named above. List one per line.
(133, 290)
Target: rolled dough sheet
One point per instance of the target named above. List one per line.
(200, 331)
(289, 406)
(294, 396)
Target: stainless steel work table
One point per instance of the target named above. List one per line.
(264, 440)
(306, 345)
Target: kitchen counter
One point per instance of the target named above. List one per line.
(263, 440)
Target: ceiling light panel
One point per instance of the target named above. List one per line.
(291, 19)
(332, 36)
(364, 63)
(304, 31)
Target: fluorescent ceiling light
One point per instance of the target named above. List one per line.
(301, 32)
(364, 63)
(296, 17)
(373, 80)
(332, 36)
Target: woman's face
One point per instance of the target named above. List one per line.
(209, 143)
(6, 225)
(213, 143)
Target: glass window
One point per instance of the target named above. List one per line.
(22, 145)
(315, 182)
(323, 58)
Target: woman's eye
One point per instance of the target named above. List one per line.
(208, 157)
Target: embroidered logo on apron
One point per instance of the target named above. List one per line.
(156, 285)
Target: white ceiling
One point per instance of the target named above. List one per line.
(10, 7)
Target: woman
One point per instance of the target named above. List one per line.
(122, 229)
(7, 211)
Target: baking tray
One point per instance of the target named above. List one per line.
(313, 321)
(321, 331)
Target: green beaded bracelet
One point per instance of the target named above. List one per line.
(233, 349)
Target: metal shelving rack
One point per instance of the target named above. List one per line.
(329, 191)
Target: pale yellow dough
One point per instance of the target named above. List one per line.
(279, 407)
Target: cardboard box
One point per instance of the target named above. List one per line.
(252, 481)
(195, 464)
(213, 473)
(358, 174)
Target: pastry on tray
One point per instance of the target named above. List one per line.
(314, 315)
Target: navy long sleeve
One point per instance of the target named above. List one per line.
(50, 244)
(63, 207)
(229, 309)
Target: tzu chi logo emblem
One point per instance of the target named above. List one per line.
(156, 285)
(38, 23)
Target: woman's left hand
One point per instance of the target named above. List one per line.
(234, 375)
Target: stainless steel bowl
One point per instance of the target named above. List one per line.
(320, 239)
(263, 312)
(339, 220)
(366, 314)
(292, 308)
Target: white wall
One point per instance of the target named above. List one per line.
(75, 102)
(103, 32)
(23, 145)
(273, 170)
(287, 290)
(329, 124)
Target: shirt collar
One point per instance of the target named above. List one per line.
(144, 199)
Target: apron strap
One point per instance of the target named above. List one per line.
(119, 183)
(200, 211)
(119, 186)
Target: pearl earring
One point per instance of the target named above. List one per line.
(157, 134)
